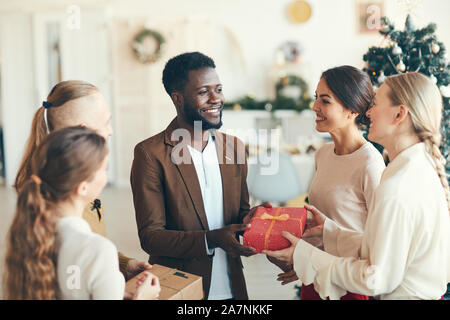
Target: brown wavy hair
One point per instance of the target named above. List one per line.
(60, 94)
(353, 89)
(61, 162)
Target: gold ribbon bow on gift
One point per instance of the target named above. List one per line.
(283, 217)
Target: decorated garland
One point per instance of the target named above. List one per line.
(141, 46)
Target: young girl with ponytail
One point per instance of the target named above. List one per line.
(404, 252)
(75, 103)
(51, 251)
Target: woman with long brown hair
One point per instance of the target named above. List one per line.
(404, 251)
(75, 103)
(51, 251)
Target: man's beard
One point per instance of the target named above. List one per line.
(192, 114)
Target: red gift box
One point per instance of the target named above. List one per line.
(267, 225)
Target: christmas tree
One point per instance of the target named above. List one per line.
(413, 50)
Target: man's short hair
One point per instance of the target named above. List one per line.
(176, 71)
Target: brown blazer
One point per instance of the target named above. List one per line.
(170, 215)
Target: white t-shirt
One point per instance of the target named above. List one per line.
(87, 263)
(208, 172)
(342, 186)
(404, 252)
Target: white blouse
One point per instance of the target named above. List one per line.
(404, 252)
(87, 263)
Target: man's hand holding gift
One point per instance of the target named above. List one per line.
(250, 214)
(225, 238)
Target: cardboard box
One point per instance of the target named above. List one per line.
(175, 284)
(267, 225)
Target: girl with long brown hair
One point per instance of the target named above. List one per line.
(51, 251)
(75, 103)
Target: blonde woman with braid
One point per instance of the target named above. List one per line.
(75, 103)
(52, 252)
(404, 252)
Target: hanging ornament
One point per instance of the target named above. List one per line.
(397, 50)
(401, 67)
(382, 77)
(434, 79)
(299, 11)
(445, 91)
(435, 48)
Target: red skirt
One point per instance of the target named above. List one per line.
(308, 293)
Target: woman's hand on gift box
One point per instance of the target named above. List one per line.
(285, 255)
(315, 227)
(313, 233)
(250, 214)
(225, 238)
(147, 287)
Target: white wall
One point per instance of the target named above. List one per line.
(19, 99)
(260, 26)
(329, 38)
(85, 55)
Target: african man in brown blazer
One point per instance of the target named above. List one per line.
(189, 184)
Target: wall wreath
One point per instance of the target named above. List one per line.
(295, 89)
(148, 45)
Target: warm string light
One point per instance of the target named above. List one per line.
(411, 4)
